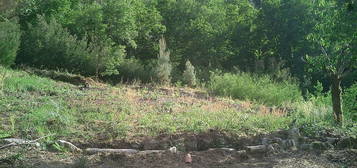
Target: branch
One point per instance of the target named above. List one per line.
(18, 142)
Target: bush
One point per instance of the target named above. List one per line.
(133, 69)
(9, 42)
(350, 103)
(189, 75)
(49, 45)
(251, 87)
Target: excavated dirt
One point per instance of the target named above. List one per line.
(201, 159)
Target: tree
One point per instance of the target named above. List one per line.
(9, 42)
(189, 75)
(335, 34)
(163, 70)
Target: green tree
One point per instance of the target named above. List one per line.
(189, 75)
(163, 70)
(335, 34)
(9, 42)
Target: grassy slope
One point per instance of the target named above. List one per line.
(31, 106)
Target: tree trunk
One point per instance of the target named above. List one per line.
(336, 98)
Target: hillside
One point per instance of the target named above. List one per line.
(143, 117)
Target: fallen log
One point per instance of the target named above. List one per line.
(151, 151)
(114, 151)
(17, 142)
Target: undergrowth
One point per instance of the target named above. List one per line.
(261, 89)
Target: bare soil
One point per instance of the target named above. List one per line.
(201, 159)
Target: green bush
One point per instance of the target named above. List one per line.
(251, 87)
(350, 103)
(134, 70)
(49, 45)
(9, 42)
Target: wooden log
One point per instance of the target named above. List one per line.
(114, 151)
(17, 142)
(151, 151)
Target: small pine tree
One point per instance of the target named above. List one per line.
(189, 75)
(163, 70)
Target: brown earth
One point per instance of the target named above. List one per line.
(201, 159)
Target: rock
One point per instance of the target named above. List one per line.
(173, 149)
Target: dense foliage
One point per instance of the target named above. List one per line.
(302, 40)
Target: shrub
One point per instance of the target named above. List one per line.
(350, 103)
(9, 42)
(189, 75)
(251, 87)
(49, 45)
(133, 69)
(163, 70)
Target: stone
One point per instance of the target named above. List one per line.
(173, 149)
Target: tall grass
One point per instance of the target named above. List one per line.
(261, 89)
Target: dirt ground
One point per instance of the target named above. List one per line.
(201, 159)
